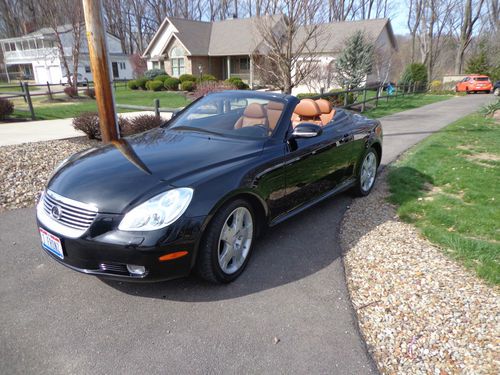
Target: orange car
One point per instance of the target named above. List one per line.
(474, 83)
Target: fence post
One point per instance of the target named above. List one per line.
(321, 91)
(28, 99)
(157, 107)
(22, 90)
(376, 97)
(345, 98)
(363, 106)
(48, 90)
(396, 92)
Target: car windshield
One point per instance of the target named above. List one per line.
(242, 115)
(482, 79)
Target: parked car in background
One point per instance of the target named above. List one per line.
(474, 84)
(496, 88)
(196, 192)
(80, 80)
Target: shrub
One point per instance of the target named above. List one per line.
(306, 95)
(162, 77)
(436, 85)
(339, 99)
(141, 123)
(208, 78)
(141, 83)
(90, 92)
(155, 85)
(171, 84)
(415, 73)
(132, 85)
(188, 86)
(6, 108)
(153, 73)
(88, 122)
(71, 91)
(238, 83)
(187, 77)
(207, 87)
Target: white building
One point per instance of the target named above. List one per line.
(36, 56)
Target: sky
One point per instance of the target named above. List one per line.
(398, 17)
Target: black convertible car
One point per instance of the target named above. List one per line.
(196, 192)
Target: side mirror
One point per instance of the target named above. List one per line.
(307, 130)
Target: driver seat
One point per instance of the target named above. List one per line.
(254, 114)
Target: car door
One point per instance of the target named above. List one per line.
(314, 166)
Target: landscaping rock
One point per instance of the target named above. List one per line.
(25, 168)
(419, 310)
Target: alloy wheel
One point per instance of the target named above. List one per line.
(368, 171)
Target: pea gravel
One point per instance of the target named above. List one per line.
(419, 311)
(25, 168)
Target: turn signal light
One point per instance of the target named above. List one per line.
(172, 256)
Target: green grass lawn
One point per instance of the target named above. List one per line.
(402, 103)
(448, 186)
(123, 95)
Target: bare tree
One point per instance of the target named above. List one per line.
(470, 14)
(289, 49)
(415, 10)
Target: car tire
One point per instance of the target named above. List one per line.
(368, 169)
(496, 92)
(222, 261)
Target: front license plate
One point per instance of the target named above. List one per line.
(51, 243)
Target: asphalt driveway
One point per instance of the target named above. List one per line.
(288, 313)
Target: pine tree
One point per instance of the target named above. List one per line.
(478, 64)
(355, 61)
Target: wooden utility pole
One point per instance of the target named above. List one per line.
(99, 63)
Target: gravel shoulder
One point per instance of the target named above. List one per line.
(25, 168)
(419, 311)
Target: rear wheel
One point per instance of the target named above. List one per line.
(367, 173)
(497, 92)
(227, 243)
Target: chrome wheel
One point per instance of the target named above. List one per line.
(368, 171)
(235, 240)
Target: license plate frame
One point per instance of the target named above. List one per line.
(51, 243)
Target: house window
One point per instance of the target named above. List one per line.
(177, 60)
(87, 69)
(122, 66)
(32, 44)
(12, 46)
(244, 63)
(7, 47)
(19, 46)
(155, 64)
(25, 45)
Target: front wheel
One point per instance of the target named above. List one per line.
(496, 92)
(225, 249)
(367, 173)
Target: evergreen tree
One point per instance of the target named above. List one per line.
(478, 64)
(415, 72)
(355, 61)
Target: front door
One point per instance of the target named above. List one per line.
(115, 70)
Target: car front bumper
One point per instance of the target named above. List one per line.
(106, 251)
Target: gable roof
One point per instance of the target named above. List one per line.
(241, 37)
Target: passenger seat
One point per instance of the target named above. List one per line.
(254, 114)
(327, 112)
(307, 111)
(274, 110)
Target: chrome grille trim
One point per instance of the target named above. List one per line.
(75, 217)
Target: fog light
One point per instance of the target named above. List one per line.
(136, 270)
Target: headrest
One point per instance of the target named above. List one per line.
(308, 108)
(277, 106)
(324, 105)
(254, 110)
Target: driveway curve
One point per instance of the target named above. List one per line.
(288, 313)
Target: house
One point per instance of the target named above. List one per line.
(226, 48)
(36, 56)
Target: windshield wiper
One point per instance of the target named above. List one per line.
(192, 128)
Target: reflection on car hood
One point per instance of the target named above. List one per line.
(116, 175)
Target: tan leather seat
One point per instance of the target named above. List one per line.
(327, 111)
(307, 111)
(274, 110)
(254, 114)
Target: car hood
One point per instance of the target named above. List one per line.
(118, 175)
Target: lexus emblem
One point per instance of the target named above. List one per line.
(56, 212)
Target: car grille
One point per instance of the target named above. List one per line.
(70, 213)
(114, 268)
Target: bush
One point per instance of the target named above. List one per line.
(171, 84)
(339, 99)
(141, 83)
(90, 92)
(6, 108)
(415, 73)
(155, 85)
(132, 85)
(141, 123)
(71, 91)
(153, 73)
(238, 83)
(207, 87)
(187, 77)
(307, 95)
(208, 78)
(162, 77)
(88, 122)
(188, 86)
(436, 85)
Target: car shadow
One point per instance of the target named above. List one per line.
(289, 252)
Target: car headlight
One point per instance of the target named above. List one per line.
(157, 212)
